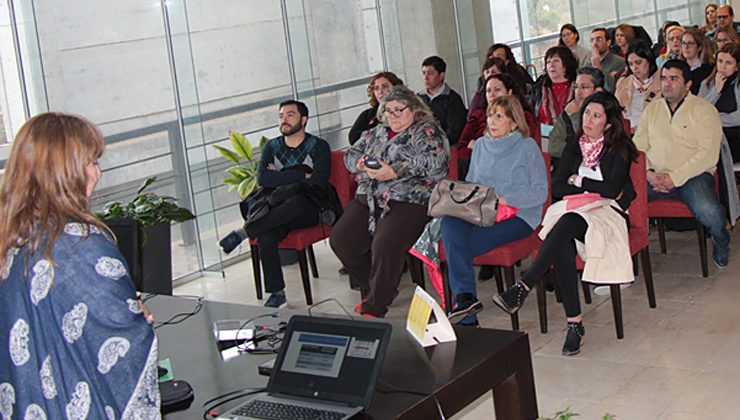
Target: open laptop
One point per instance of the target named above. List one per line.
(328, 365)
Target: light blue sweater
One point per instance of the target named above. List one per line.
(513, 165)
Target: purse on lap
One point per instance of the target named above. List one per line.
(474, 203)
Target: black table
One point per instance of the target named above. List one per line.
(457, 373)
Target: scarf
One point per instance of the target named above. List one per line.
(591, 150)
(642, 87)
(726, 102)
(553, 103)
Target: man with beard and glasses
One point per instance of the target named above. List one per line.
(299, 162)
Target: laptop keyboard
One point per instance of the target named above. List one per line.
(278, 411)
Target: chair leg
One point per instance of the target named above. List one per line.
(256, 269)
(635, 266)
(448, 292)
(417, 270)
(312, 261)
(647, 271)
(303, 264)
(499, 279)
(509, 279)
(542, 305)
(586, 292)
(616, 292)
(701, 234)
(661, 235)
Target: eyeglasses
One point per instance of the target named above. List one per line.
(583, 86)
(723, 16)
(395, 112)
(378, 88)
(688, 43)
(722, 40)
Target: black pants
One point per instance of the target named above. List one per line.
(297, 212)
(375, 263)
(559, 250)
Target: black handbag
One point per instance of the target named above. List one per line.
(175, 395)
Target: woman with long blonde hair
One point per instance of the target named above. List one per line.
(75, 330)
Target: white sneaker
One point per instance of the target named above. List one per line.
(604, 289)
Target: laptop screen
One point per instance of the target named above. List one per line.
(330, 359)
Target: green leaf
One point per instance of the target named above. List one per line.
(241, 145)
(238, 171)
(149, 181)
(228, 154)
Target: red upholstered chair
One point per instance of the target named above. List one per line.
(302, 240)
(638, 238)
(506, 255)
(673, 208)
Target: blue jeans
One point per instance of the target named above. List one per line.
(699, 194)
(464, 241)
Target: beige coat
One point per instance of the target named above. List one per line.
(606, 250)
(624, 90)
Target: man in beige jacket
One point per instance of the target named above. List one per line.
(680, 135)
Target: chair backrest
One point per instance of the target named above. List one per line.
(639, 206)
(452, 171)
(341, 179)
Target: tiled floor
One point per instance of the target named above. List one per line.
(678, 361)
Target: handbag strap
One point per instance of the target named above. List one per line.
(466, 199)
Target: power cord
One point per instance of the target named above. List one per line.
(254, 337)
(209, 414)
(183, 316)
(394, 389)
(349, 315)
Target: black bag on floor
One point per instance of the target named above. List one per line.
(176, 395)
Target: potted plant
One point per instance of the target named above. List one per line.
(243, 175)
(142, 227)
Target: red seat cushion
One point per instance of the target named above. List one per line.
(668, 207)
(301, 238)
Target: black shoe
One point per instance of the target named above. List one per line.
(512, 299)
(343, 271)
(465, 305)
(574, 338)
(230, 242)
(485, 273)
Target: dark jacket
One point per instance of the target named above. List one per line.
(614, 169)
(448, 108)
(366, 120)
(698, 75)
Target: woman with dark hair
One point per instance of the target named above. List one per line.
(396, 165)
(722, 88)
(505, 149)
(724, 36)
(379, 85)
(623, 35)
(492, 66)
(697, 53)
(570, 37)
(497, 85)
(640, 84)
(554, 89)
(76, 339)
(516, 71)
(597, 161)
(710, 18)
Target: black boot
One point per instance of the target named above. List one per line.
(512, 299)
(574, 338)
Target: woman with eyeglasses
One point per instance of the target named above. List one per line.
(570, 37)
(77, 343)
(554, 89)
(379, 85)
(672, 45)
(598, 161)
(396, 166)
(507, 159)
(640, 84)
(697, 53)
(725, 36)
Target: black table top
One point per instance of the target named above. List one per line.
(195, 357)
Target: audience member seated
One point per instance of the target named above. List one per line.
(672, 45)
(497, 85)
(598, 162)
(588, 81)
(697, 52)
(723, 90)
(379, 85)
(681, 135)
(601, 58)
(623, 35)
(640, 84)
(570, 37)
(659, 48)
(298, 162)
(724, 36)
(76, 339)
(725, 19)
(519, 73)
(446, 104)
(389, 211)
(507, 159)
(492, 66)
(554, 89)
(710, 18)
